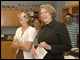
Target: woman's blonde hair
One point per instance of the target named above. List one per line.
(49, 9)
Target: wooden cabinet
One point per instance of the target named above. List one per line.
(9, 18)
(6, 51)
(73, 9)
(14, 18)
(4, 17)
(64, 10)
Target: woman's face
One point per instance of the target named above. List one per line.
(36, 23)
(23, 20)
(46, 16)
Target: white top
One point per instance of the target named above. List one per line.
(28, 35)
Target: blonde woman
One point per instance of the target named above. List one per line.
(24, 37)
(53, 36)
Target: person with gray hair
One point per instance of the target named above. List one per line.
(53, 36)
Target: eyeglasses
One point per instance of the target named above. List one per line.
(22, 14)
(36, 22)
(68, 17)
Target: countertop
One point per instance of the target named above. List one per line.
(5, 40)
(7, 37)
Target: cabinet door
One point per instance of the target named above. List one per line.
(15, 19)
(9, 18)
(75, 9)
(75, 13)
(5, 17)
(63, 13)
(6, 50)
(13, 53)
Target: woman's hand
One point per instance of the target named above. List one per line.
(15, 43)
(34, 52)
(45, 45)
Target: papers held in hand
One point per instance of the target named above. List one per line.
(41, 52)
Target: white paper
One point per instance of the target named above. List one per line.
(74, 49)
(41, 52)
(69, 57)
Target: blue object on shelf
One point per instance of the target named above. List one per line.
(75, 19)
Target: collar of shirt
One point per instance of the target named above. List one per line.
(50, 24)
(70, 24)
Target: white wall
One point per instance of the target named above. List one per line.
(68, 3)
(58, 5)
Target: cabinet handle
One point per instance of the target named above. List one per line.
(9, 22)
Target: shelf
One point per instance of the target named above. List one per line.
(31, 10)
(75, 14)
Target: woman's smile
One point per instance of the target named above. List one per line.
(20, 19)
(44, 18)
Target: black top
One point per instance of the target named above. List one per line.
(56, 35)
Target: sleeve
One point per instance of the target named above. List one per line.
(77, 29)
(32, 35)
(64, 37)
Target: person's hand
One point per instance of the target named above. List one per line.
(34, 52)
(15, 40)
(15, 43)
(44, 45)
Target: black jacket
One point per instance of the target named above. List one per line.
(56, 35)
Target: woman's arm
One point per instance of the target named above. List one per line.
(15, 42)
(25, 46)
(65, 44)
